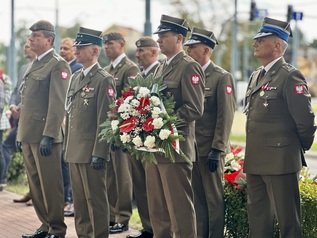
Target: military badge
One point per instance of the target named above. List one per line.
(110, 92)
(299, 89)
(64, 75)
(229, 89)
(195, 79)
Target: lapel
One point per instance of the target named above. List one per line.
(267, 77)
(87, 79)
(172, 64)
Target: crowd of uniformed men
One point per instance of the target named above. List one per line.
(177, 199)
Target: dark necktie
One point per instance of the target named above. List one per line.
(261, 75)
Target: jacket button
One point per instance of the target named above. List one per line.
(278, 143)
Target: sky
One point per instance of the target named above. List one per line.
(100, 14)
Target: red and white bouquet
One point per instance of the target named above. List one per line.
(143, 121)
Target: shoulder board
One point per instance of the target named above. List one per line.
(188, 58)
(288, 67)
(219, 69)
(57, 57)
(103, 72)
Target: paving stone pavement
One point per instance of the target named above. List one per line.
(17, 219)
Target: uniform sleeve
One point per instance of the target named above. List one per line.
(131, 72)
(59, 79)
(106, 96)
(299, 105)
(225, 112)
(192, 87)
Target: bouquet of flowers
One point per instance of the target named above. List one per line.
(233, 171)
(143, 121)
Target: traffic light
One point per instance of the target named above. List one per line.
(252, 11)
(290, 11)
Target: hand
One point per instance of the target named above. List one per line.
(213, 160)
(19, 146)
(46, 145)
(97, 163)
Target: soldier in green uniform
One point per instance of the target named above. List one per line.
(168, 184)
(280, 128)
(89, 95)
(43, 93)
(212, 136)
(119, 181)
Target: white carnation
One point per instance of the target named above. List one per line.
(164, 134)
(158, 123)
(137, 141)
(128, 99)
(156, 111)
(235, 165)
(144, 92)
(124, 107)
(149, 142)
(155, 100)
(135, 103)
(125, 138)
(114, 125)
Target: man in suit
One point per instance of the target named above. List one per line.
(212, 136)
(41, 115)
(168, 184)
(89, 95)
(67, 51)
(280, 128)
(119, 177)
(146, 54)
(9, 144)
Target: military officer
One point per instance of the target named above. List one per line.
(147, 54)
(89, 95)
(280, 128)
(212, 136)
(42, 111)
(169, 190)
(119, 182)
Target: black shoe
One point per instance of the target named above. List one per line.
(53, 236)
(111, 224)
(118, 228)
(37, 234)
(143, 234)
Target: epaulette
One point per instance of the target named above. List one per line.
(220, 70)
(103, 72)
(57, 57)
(288, 67)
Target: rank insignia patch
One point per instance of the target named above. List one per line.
(110, 92)
(299, 88)
(64, 74)
(229, 89)
(195, 79)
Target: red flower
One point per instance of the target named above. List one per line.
(128, 125)
(126, 94)
(148, 124)
(236, 150)
(144, 105)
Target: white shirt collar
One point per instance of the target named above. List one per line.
(150, 67)
(86, 71)
(117, 60)
(45, 53)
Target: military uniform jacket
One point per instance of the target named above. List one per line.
(214, 127)
(280, 121)
(43, 95)
(88, 101)
(185, 80)
(124, 70)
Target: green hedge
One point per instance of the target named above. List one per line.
(17, 172)
(236, 218)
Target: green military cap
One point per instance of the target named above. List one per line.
(202, 36)
(42, 25)
(113, 36)
(88, 37)
(174, 24)
(271, 26)
(146, 41)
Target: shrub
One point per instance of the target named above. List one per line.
(236, 219)
(17, 172)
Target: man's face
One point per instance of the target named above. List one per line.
(28, 53)
(196, 51)
(144, 56)
(113, 49)
(167, 42)
(263, 47)
(67, 50)
(38, 42)
(84, 54)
